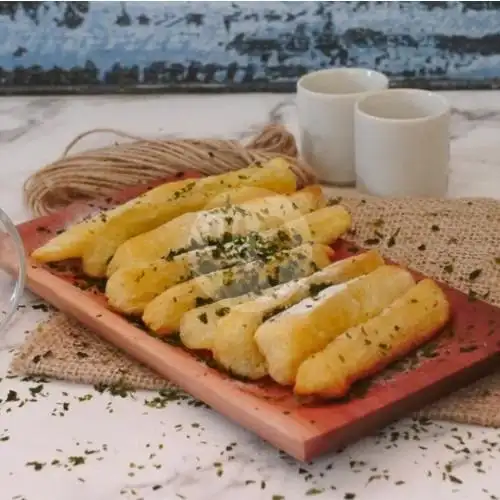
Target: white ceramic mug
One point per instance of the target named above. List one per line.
(402, 141)
(325, 105)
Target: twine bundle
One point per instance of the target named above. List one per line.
(101, 172)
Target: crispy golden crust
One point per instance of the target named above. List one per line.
(155, 207)
(202, 228)
(132, 287)
(237, 196)
(289, 338)
(234, 346)
(147, 215)
(198, 326)
(163, 314)
(366, 349)
(324, 225)
(72, 242)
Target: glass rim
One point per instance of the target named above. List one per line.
(18, 290)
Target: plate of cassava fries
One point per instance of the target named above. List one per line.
(242, 267)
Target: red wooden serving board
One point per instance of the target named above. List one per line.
(463, 352)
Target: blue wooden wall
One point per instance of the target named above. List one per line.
(117, 46)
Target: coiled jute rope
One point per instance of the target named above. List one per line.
(100, 172)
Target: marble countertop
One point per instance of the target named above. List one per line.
(61, 440)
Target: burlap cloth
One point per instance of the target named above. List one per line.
(456, 241)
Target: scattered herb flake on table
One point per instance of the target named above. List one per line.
(36, 465)
(314, 491)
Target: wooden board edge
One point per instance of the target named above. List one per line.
(357, 429)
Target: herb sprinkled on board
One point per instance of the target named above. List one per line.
(222, 311)
(202, 301)
(470, 348)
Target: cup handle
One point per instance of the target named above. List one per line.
(13, 260)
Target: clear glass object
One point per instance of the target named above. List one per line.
(12, 270)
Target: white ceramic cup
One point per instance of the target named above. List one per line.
(402, 141)
(325, 105)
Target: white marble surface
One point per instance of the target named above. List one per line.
(59, 440)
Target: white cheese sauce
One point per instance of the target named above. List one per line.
(310, 303)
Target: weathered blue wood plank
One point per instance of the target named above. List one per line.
(244, 45)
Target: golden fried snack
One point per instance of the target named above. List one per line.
(132, 287)
(163, 314)
(72, 242)
(187, 226)
(157, 206)
(237, 196)
(197, 229)
(233, 344)
(289, 338)
(367, 348)
(198, 326)
(324, 225)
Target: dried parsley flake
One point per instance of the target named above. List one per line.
(475, 274)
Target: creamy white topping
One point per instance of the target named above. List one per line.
(311, 302)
